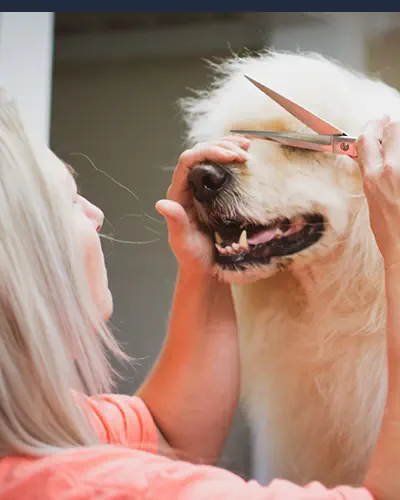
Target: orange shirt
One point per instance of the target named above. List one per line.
(133, 472)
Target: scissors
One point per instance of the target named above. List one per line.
(330, 138)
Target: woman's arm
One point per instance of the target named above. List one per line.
(192, 391)
(379, 159)
(383, 477)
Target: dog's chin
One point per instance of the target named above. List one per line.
(250, 274)
(247, 252)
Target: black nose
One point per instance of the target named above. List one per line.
(206, 180)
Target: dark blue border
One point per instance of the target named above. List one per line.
(177, 6)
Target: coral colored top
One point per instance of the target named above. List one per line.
(134, 472)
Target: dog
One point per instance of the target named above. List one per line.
(292, 237)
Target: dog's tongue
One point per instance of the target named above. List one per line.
(262, 237)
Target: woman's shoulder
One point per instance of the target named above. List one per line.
(121, 420)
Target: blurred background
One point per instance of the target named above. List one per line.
(102, 88)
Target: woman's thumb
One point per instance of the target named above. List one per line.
(175, 216)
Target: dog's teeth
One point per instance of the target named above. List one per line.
(236, 247)
(243, 240)
(229, 250)
(219, 248)
(278, 233)
(218, 238)
(296, 225)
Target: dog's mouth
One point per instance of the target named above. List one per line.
(239, 245)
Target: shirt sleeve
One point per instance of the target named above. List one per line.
(122, 420)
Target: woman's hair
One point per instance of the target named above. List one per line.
(53, 339)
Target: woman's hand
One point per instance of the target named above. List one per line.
(379, 159)
(192, 247)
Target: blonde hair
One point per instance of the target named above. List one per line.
(53, 339)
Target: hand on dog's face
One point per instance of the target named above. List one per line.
(378, 151)
(191, 246)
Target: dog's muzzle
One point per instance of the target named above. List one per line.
(207, 180)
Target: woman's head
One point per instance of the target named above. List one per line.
(54, 297)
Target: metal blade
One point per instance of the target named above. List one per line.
(304, 115)
(303, 144)
(323, 143)
(269, 134)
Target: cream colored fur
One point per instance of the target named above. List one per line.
(313, 334)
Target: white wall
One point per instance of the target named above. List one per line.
(341, 39)
(26, 47)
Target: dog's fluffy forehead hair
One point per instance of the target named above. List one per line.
(341, 96)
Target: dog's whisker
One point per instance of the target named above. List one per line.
(152, 230)
(129, 242)
(132, 215)
(144, 214)
(108, 176)
(109, 223)
(158, 221)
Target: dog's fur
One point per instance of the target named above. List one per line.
(312, 327)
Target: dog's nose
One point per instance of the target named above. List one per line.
(206, 180)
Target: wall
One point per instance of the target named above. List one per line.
(26, 49)
(124, 118)
(383, 57)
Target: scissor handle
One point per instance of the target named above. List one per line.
(345, 146)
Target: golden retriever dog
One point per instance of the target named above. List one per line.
(292, 236)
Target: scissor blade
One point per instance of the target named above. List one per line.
(304, 115)
(302, 141)
(326, 140)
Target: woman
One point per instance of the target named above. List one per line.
(56, 442)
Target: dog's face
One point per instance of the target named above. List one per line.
(285, 207)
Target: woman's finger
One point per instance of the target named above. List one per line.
(238, 143)
(369, 148)
(178, 190)
(391, 147)
(240, 140)
(233, 146)
(176, 218)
